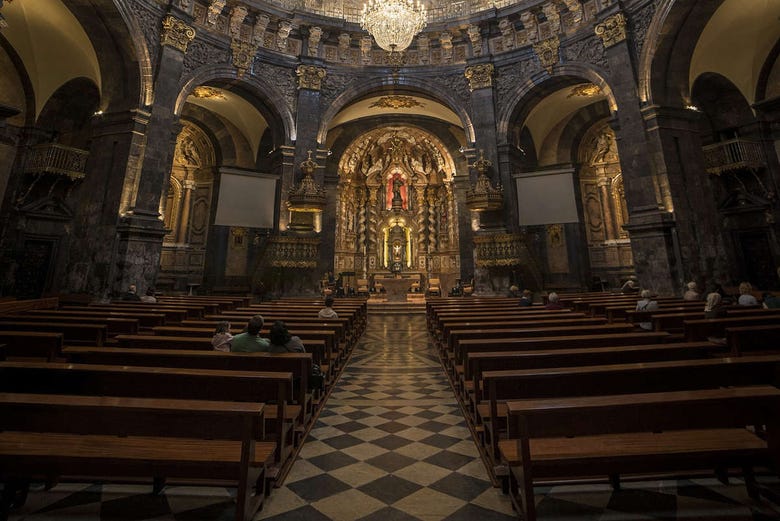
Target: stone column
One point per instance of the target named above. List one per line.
(310, 77)
(651, 227)
(141, 230)
(116, 146)
(610, 223)
(674, 133)
(184, 216)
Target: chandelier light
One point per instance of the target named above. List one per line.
(393, 23)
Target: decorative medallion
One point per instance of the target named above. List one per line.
(480, 76)
(547, 51)
(176, 33)
(612, 30)
(584, 90)
(310, 77)
(396, 102)
(203, 92)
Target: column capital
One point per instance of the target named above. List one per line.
(547, 52)
(310, 77)
(176, 33)
(612, 30)
(480, 76)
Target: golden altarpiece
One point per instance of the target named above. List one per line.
(396, 211)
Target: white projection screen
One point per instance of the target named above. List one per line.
(546, 198)
(246, 199)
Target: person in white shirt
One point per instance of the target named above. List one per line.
(328, 311)
(746, 298)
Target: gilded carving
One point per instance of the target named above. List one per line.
(258, 32)
(315, 35)
(612, 30)
(507, 34)
(480, 76)
(365, 50)
(476, 39)
(243, 55)
(176, 33)
(285, 27)
(237, 16)
(396, 102)
(215, 8)
(310, 77)
(547, 52)
(445, 39)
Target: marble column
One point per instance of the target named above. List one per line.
(141, 230)
(610, 223)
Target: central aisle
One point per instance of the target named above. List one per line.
(391, 443)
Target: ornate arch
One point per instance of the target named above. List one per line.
(274, 105)
(426, 88)
(536, 87)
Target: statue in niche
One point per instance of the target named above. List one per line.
(604, 149)
(397, 193)
(187, 152)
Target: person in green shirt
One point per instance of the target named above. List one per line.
(250, 341)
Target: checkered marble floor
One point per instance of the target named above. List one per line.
(391, 444)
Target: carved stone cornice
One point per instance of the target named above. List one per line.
(480, 76)
(310, 77)
(547, 52)
(612, 30)
(176, 33)
(243, 55)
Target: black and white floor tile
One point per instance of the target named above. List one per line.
(391, 444)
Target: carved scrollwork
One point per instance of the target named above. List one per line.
(589, 50)
(176, 33)
(310, 77)
(243, 55)
(547, 52)
(201, 52)
(480, 76)
(612, 30)
(640, 24)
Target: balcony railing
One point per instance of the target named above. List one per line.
(732, 155)
(51, 158)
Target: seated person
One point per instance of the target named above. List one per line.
(328, 311)
(282, 341)
(222, 337)
(527, 299)
(630, 286)
(131, 294)
(645, 304)
(149, 296)
(713, 308)
(250, 341)
(746, 297)
(553, 301)
(691, 292)
(513, 291)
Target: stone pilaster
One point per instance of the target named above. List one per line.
(141, 230)
(651, 226)
(116, 148)
(483, 101)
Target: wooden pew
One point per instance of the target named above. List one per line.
(145, 320)
(503, 386)
(132, 437)
(172, 315)
(72, 332)
(639, 433)
(31, 344)
(299, 364)
(479, 363)
(753, 339)
(114, 326)
(556, 342)
(316, 347)
(163, 382)
(716, 327)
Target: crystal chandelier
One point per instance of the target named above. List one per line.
(393, 23)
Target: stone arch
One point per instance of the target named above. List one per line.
(571, 138)
(665, 61)
(541, 83)
(378, 84)
(273, 105)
